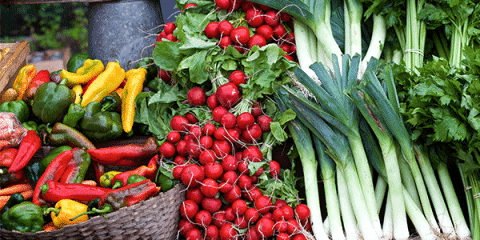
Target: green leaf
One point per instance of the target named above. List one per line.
(278, 132)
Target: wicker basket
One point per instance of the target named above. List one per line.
(155, 218)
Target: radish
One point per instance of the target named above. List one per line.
(179, 160)
(274, 168)
(245, 120)
(224, 42)
(192, 175)
(247, 5)
(225, 187)
(184, 226)
(196, 96)
(239, 207)
(293, 226)
(253, 153)
(212, 233)
(265, 31)
(208, 129)
(167, 150)
(161, 36)
(240, 222)
(263, 204)
(285, 17)
(219, 219)
(257, 109)
(212, 101)
(254, 17)
(173, 136)
(251, 214)
(229, 214)
(302, 212)
(264, 122)
(228, 120)
(268, 215)
(264, 7)
(209, 187)
(220, 133)
(287, 212)
(193, 148)
(189, 5)
(289, 58)
(234, 194)
(206, 142)
(169, 27)
(230, 177)
(235, 5)
(277, 214)
(282, 236)
(240, 35)
(195, 132)
(213, 170)
(206, 156)
(281, 226)
(232, 135)
(229, 163)
(225, 28)
(279, 31)
(228, 95)
(179, 123)
(285, 47)
(181, 148)
(237, 77)
(293, 48)
(221, 148)
(166, 76)
(188, 209)
(252, 234)
(243, 167)
(252, 194)
(279, 203)
(252, 134)
(259, 172)
(177, 172)
(272, 18)
(227, 232)
(211, 30)
(193, 234)
(218, 113)
(299, 237)
(212, 205)
(245, 182)
(258, 40)
(171, 38)
(191, 118)
(265, 227)
(223, 4)
(194, 194)
(203, 218)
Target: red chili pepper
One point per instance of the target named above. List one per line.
(42, 77)
(54, 191)
(29, 145)
(148, 171)
(53, 172)
(99, 170)
(85, 87)
(7, 156)
(130, 194)
(77, 167)
(138, 153)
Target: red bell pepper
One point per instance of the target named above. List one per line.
(6, 157)
(130, 194)
(54, 191)
(42, 77)
(148, 171)
(29, 145)
(53, 172)
(134, 153)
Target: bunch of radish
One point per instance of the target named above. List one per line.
(214, 160)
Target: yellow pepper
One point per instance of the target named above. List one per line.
(104, 84)
(65, 210)
(134, 85)
(23, 80)
(90, 69)
(78, 93)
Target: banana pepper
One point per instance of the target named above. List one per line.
(105, 83)
(89, 70)
(135, 80)
(78, 90)
(65, 210)
(23, 80)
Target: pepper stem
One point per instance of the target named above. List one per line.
(107, 208)
(51, 209)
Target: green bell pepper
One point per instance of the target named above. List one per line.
(100, 126)
(51, 102)
(30, 125)
(135, 179)
(33, 172)
(166, 183)
(76, 61)
(18, 107)
(74, 114)
(111, 102)
(148, 64)
(24, 217)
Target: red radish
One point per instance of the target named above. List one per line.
(285, 17)
(209, 187)
(209, 129)
(169, 27)
(237, 77)
(212, 101)
(293, 226)
(223, 4)
(195, 132)
(272, 18)
(203, 218)
(274, 168)
(239, 155)
(285, 47)
(219, 219)
(247, 5)
(253, 194)
(229, 214)
(193, 234)
(252, 134)
(252, 234)
(167, 149)
(264, 122)
(229, 163)
(279, 203)
(173, 136)
(161, 36)
(227, 232)
(164, 75)
(289, 58)
(184, 226)
(245, 120)
(212, 233)
(302, 211)
(279, 31)
(228, 95)
(191, 118)
(257, 109)
(220, 133)
(239, 48)
(221, 148)
(207, 156)
(257, 40)
(243, 167)
(188, 209)
(277, 215)
(171, 38)
(225, 187)
(281, 226)
(268, 215)
(211, 30)
(179, 123)
(287, 212)
(290, 38)
(213, 170)
(253, 153)
(245, 182)
(189, 5)
(251, 214)
(194, 194)
(196, 96)
(181, 148)
(265, 31)
(230, 177)
(206, 142)
(254, 179)
(218, 113)
(234, 194)
(241, 222)
(177, 172)
(228, 120)
(239, 207)
(235, 5)
(259, 172)
(293, 48)
(212, 205)
(180, 160)
(240, 35)
(225, 28)
(265, 227)
(264, 7)
(225, 41)
(192, 175)
(254, 17)
(299, 237)
(263, 204)
(232, 135)
(282, 236)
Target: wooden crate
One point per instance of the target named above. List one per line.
(13, 61)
